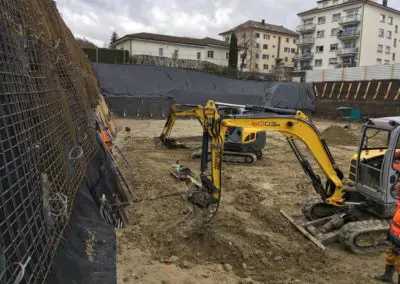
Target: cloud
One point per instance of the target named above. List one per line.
(97, 19)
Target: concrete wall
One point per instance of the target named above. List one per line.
(144, 47)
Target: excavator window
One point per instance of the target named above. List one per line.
(396, 157)
(374, 147)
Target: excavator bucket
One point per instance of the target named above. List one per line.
(172, 143)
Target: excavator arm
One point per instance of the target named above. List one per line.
(295, 126)
(180, 110)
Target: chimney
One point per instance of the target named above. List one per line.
(263, 21)
(384, 3)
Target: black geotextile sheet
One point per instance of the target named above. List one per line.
(87, 251)
(119, 82)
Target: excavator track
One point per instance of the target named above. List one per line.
(229, 157)
(315, 208)
(365, 236)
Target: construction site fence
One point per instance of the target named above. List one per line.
(364, 73)
(107, 55)
(48, 94)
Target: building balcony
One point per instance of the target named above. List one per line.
(346, 65)
(306, 28)
(343, 35)
(302, 69)
(350, 20)
(305, 41)
(304, 56)
(347, 51)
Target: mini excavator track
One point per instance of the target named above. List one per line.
(229, 156)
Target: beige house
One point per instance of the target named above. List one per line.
(348, 33)
(262, 44)
(157, 45)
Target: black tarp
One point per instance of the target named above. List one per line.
(74, 263)
(126, 87)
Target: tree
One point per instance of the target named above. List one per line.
(249, 49)
(114, 38)
(233, 52)
(84, 43)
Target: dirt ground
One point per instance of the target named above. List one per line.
(249, 241)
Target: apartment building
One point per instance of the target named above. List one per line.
(263, 44)
(348, 33)
(165, 46)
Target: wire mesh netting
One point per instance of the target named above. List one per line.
(47, 97)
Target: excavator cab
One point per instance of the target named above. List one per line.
(377, 168)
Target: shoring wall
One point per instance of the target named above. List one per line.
(48, 93)
(377, 98)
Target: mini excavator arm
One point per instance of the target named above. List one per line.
(294, 125)
(178, 110)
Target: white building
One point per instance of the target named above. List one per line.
(205, 49)
(348, 33)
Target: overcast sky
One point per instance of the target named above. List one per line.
(95, 20)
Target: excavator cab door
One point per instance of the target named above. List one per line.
(371, 162)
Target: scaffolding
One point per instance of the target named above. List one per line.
(48, 94)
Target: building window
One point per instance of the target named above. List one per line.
(285, 49)
(320, 33)
(256, 66)
(265, 46)
(334, 32)
(335, 17)
(257, 56)
(293, 50)
(381, 32)
(394, 57)
(335, 2)
(389, 34)
(264, 56)
(325, 4)
(395, 43)
(176, 54)
(390, 20)
(227, 55)
(396, 29)
(286, 59)
(379, 61)
(387, 49)
(287, 40)
(387, 62)
(198, 55)
(210, 54)
(244, 66)
(334, 47)
(380, 48)
(257, 45)
(265, 66)
(273, 46)
(257, 35)
(332, 61)
(227, 39)
(320, 49)
(321, 20)
(318, 62)
(294, 41)
(161, 52)
(265, 36)
(382, 18)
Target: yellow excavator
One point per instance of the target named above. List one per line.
(355, 214)
(242, 145)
